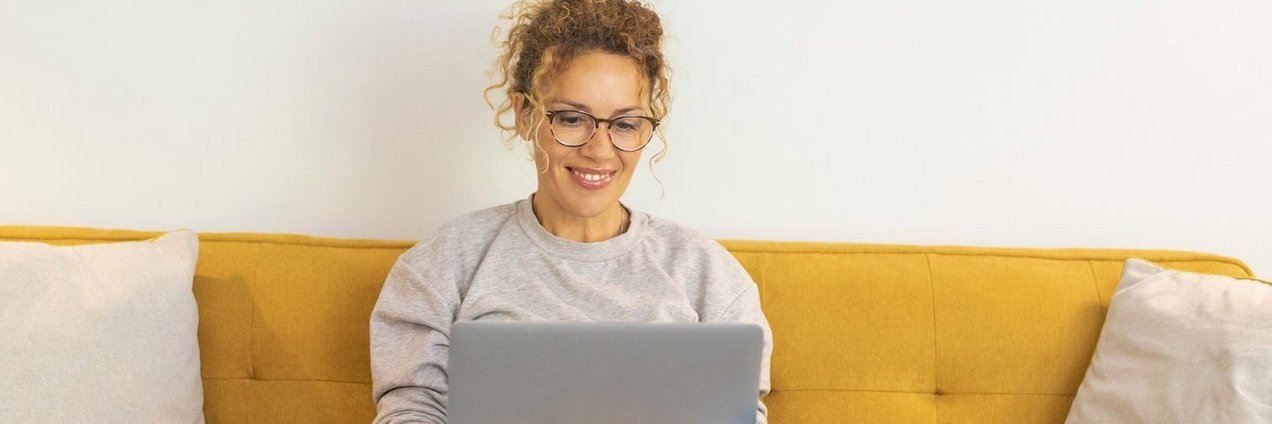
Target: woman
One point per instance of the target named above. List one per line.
(587, 84)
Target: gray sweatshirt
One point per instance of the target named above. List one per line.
(500, 264)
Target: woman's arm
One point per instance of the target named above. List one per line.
(410, 342)
(746, 309)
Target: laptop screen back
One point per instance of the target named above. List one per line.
(591, 372)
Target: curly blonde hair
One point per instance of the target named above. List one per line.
(545, 35)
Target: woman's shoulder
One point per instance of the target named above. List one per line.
(712, 276)
(462, 236)
(676, 235)
(685, 244)
(481, 221)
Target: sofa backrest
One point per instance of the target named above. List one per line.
(927, 334)
(862, 333)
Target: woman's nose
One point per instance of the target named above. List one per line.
(600, 145)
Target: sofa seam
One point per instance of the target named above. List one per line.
(251, 318)
(314, 380)
(924, 393)
(251, 322)
(1168, 256)
(936, 384)
(1095, 284)
(1165, 258)
(243, 238)
(319, 241)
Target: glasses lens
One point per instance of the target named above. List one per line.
(631, 133)
(572, 128)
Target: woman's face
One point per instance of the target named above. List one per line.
(588, 180)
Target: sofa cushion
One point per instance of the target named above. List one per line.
(1180, 347)
(100, 333)
(862, 333)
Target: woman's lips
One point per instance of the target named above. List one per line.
(591, 179)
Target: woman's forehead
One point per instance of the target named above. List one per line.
(600, 82)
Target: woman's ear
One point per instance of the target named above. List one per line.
(520, 119)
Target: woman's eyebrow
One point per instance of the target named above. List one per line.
(583, 107)
(627, 110)
(577, 106)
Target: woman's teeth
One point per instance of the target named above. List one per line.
(592, 177)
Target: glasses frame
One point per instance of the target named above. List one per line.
(596, 125)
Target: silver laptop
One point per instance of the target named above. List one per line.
(615, 373)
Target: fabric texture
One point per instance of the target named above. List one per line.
(868, 333)
(500, 264)
(1181, 347)
(100, 333)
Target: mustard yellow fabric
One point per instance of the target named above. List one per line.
(862, 333)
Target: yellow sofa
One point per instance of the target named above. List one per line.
(862, 333)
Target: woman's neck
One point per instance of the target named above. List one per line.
(604, 226)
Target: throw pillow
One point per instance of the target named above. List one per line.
(100, 333)
(1179, 347)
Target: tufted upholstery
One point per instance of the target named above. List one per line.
(862, 333)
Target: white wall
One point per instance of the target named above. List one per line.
(1088, 123)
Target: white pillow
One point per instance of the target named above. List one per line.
(104, 333)
(1180, 347)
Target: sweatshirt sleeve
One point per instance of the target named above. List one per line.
(410, 343)
(746, 308)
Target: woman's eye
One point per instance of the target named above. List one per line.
(627, 125)
(571, 119)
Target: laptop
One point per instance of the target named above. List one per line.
(595, 372)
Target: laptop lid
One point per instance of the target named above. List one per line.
(593, 372)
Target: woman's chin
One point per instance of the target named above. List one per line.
(590, 208)
(589, 203)
(586, 202)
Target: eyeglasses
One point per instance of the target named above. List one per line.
(572, 128)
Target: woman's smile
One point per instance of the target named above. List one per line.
(591, 179)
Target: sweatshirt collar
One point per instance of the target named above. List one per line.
(569, 249)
